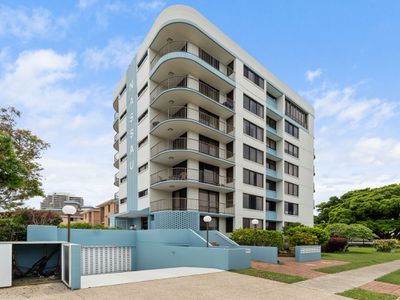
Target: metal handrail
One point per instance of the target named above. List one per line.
(183, 112)
(194, 84)
(202, 176)
(184, 143)
(182, 46)
(192, 204)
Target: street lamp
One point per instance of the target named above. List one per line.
(69, 210)
(207, 220)
(255, 223)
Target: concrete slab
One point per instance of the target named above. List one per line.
(140, 276)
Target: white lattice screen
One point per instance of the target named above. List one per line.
(105, 259)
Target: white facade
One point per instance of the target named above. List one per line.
(190, 86)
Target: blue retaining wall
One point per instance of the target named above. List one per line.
(218, 237)
(75, 267)
(264, 254)
(27, 255)
(308, 253)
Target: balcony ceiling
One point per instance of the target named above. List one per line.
(186, 32)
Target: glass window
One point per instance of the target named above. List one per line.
(296, 113)
(291, 169)
(253, 178)
(253, 130)
(271, 123)
(291, 189)
(291, 149)
(252, 202)
(291, 208)
(251, 75)
(253, 106)
(253, 154)
(271, 185)
(291, 129)
(247, 223)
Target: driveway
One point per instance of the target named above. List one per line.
(222, 285)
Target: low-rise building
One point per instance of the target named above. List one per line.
(100, 215)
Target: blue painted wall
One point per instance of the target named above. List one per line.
(75, 267)
(218, 237)
(264, 254)
(28, 254)
(308, 253)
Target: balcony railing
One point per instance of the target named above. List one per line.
(194, 84)
(182, 112)
(116, 180)
(183, 174)
(190, 204)
(192, 144)
(184, 46)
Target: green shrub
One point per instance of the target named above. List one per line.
(335, 244)
(81, 225)
(386, 245)
(350, 232)
(251, 237)
(321, 234)
(11, 231)
(302, 238)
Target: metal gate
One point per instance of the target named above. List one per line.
(105, 259)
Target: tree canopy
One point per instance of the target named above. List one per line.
(376, 208)
(20, 149)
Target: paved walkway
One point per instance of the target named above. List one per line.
(383, 287)
(221, 285)
(139, 276)
(291, 267)
(339, 282)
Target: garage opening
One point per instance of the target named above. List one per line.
(35, 263)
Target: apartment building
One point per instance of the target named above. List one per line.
(202, 128)
(101, 214)
(57, 201)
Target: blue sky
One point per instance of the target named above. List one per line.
(60, 61)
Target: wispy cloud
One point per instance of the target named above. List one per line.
(116, 54)
(28, 23)
(313, 74)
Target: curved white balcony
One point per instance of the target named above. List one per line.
(176, 178)
(177, 120)
(171, 152)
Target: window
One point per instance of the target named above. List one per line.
(142, 116)
(247, 223)
(271, 165)
(122, 137)
(122, 115)
(229, 175)
(253, 106)
(271, 185)
(271, 123)
(141, 61)
(142, 90)
(253, 154)
(123, 158)
(296, 113)
(252, 178)
(208, 58)
(123, 179)
(291, 149)
(122, 200)
(143, 168)
(252, 202)
(271, 205)
(270, 225)
(253, 130)
(291, 209)
(291, 129)
(229, 150)
(251, 75)
(229, 200)
(213, 225)
(291, 189)
(122, 90)
(291, 169)
(271, 144)
(143, 193)
(229, 225)
(142, 142)
(208, 90)
(208, 201)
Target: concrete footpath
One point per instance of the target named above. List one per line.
(340, 282)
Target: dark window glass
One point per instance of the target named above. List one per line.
(208, 58)
(229, 225)
(143, 193)
(253, 178)
(270, 225)
(213, 225)
(253, 154)
(142, 90)
(291, 149)
(253, 106)
(291, 208)
(229, 175)
(271, 123)
(291, 189)
(251, 75)
(252, 202)
(142, 142)
(296, 113)
(253, 130)
(271, 144)
(208, 201)
(271, 185)
(229, 199)
(141, 61)
(123, 158)
(123, 115)
(143, 167)
(142, 116)
(271, 164)
(291, 129)
(247, 223)
(271, 206)
(291, 169)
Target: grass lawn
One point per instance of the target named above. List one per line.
(270, 275)
(366, 295)
(393, 277)
(358, 258)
